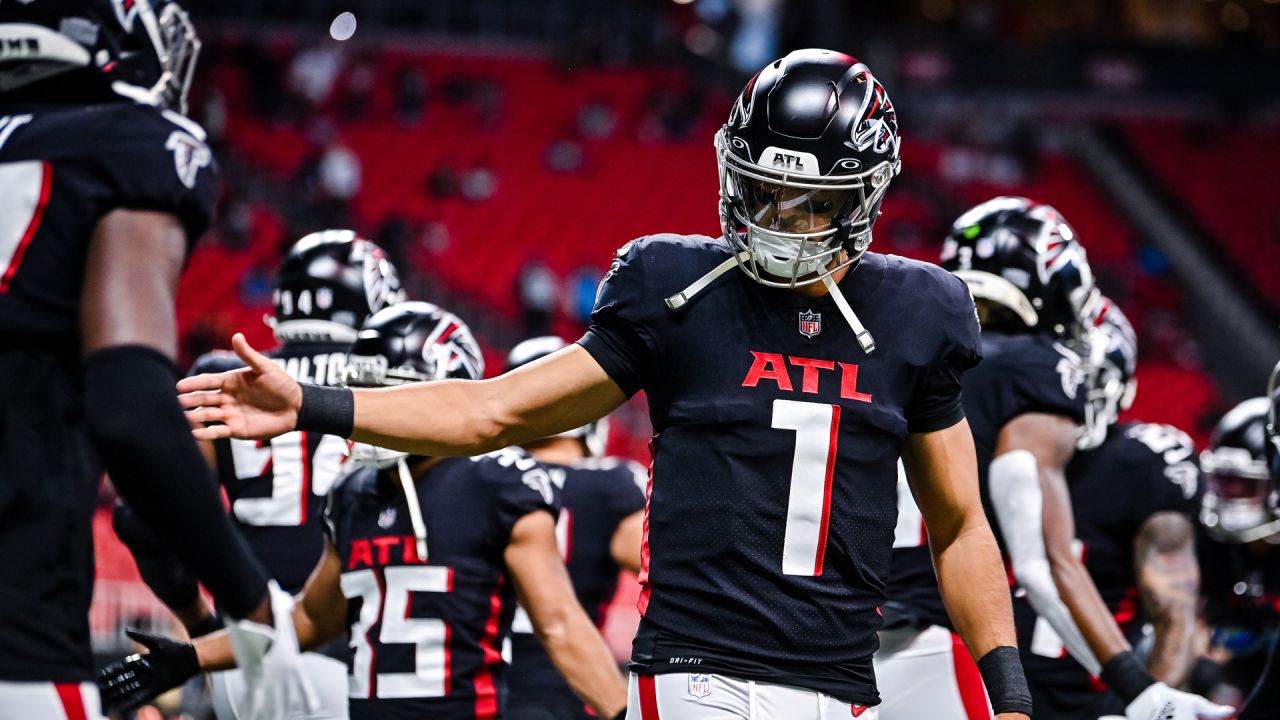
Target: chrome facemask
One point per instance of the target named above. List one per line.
(754, 199)
(177, 48)
(1239, 503)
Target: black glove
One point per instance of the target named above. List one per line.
(136, 679)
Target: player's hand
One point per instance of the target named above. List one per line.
(1161, 702)
(132, 681)
(256, 402)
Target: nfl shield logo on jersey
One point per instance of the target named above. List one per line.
(699, 685)
(387, 518)
(810, 323)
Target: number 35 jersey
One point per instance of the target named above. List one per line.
(277, 487)
(61, 170)
(776, 441)
(427, 633)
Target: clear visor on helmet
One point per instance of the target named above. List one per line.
(791, 210)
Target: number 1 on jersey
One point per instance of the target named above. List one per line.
(817, 428)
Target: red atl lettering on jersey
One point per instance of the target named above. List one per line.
(362, 551)
(773, 367)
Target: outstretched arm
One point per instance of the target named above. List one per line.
(564, 390)
(562, 626)
(1169, 578)
(943, 473)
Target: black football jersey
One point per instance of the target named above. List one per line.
(277, 487)
(62, 168)
(776, 440)
(1140, 470)
(596, 496)
(1019, 374)
(427, 634)
(1240, 585)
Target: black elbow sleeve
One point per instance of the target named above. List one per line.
(132, 413)
(159, 567)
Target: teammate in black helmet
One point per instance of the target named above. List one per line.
(104, 188)
(787, 368)
(1238, 558)
(326, 286)
(1134, 488)
(423, 561)
(599, 530)
(1027, 403)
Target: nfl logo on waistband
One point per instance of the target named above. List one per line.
(699, 685)
(810, 323)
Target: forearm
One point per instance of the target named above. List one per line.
(579, 653)
(440, 419)
(145, 442)
(1087, 609)
(1169, 578)
(974, 589)
(214, 652)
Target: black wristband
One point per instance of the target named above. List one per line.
(1126, 676)
(327, 410)
(1006, 683)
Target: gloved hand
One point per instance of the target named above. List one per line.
(136, 679)
(1161, 702)
(276, 682)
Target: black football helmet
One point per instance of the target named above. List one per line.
(808, 152)
(144, 50)
(328, 284)
(1022, 260)
(593, 435)
(1112, 369)
(1239, 502)
(405, 343)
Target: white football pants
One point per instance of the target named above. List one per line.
(928, 674)
(694, 696)
(328, 678)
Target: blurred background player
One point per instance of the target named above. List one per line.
(104, 188)
(326, 286)
(599, 530)
(1239, 562)
(1133, 490)
(424, 560)
(1026, 402)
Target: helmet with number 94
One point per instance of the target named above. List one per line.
(1240, 502)
(805, 158)
(328, 284)
(144, 50)
(1024, 266)
(404, 343)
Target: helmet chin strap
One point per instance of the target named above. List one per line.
(415, 511)
(865, 340)
(681, 299)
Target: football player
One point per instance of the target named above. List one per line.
(1264, 701)
(1133, 489)
(104, 187)
(1023, 263)
(787, 370)
(327, 285)
(1238, 559)
(600, 529)
(423, 561)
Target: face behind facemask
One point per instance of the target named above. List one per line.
(372, 456)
